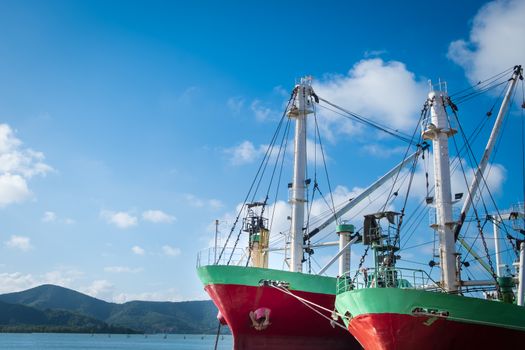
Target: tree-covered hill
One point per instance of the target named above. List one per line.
(143, 316)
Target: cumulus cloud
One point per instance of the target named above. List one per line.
(495, 41)
(386, 92)
(13, 189)
(245, 152)
(197, 202)
(17, 166)
(382, 151)
(157, 216)
(17, 281)
(494, 178)
(19, 242)
(61, 277)
(138, 250)
(235, 104)
(100, 289)
(17, 160)
(165, 295)
(170, 251)
(120, 219)
(49, 216)
(69, 221)
(261, 112)
(122, 269)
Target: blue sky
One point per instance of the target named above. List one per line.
(128, 127)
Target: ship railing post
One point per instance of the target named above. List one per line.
(458, 271)
(495, 222)
(521, 280)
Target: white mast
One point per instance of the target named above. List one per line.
(298, 199)
(438, 130)
(497, 249)
(488, 149)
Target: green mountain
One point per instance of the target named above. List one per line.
(144, 316)
(49, 296)
(21, 318)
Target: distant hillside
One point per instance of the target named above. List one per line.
(145, 316)
(49, 296)
(21, 318)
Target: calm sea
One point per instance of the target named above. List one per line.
(37, 341)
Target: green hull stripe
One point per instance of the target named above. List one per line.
(404, 301)
(250, 276)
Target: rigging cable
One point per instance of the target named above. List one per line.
(473, 158)
(366, 121)
(290, 101)
(523, 144)
(478, 223)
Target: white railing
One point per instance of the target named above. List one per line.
(388, 277)
(230, 256)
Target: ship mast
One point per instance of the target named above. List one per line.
(439, 130)
(299, 111)
(518, 71)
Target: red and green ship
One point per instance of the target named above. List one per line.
(388, 307)
(392, 318)
(239, 290)
(273, 309)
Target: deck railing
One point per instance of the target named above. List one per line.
(230, 256)
(387, 277)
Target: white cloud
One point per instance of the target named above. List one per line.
(494, 178)
(61, 277)
(157, 216)
(385, 92)
(262, 113)
(197, 202)
(19, 242)
(138, 250)
(120, 219)
(100, 289)
(382, 151)
(16, 281)
(495, 41)
(122, 269)
(245, 153)
(17, 166)
(188, 95)
(13, 189)
(69, 221)
(215, 203)
(166, 295)
(281, 91)
(16, 160)
(171, 251)
(49, 216)
(235, 104)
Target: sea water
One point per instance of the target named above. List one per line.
(37, 341)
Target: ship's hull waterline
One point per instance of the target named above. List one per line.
(293, 325)
(394, 318)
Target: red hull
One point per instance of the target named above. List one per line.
(293, 325)
(407, 332)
